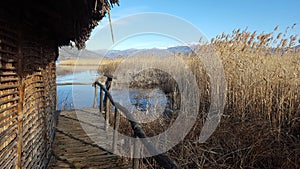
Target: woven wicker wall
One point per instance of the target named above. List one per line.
(27, 97)
(9, 96)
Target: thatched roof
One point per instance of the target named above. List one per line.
(61, 20)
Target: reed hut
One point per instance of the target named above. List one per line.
(30, 34)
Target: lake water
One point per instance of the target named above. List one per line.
(82, 96)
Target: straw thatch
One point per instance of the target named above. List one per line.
(62, 20)
(30, 34)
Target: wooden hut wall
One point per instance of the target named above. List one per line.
(27, 97)
(9, 96)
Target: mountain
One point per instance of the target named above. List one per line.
(66, 53)
(71, 53)
(181, 49)
(158, 51)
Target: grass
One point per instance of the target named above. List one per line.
(260, 127)
(80, 62)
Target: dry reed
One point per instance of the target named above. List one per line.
(260, 127)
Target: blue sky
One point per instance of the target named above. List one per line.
(212, 17)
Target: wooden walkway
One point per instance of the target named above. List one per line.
(74, 149)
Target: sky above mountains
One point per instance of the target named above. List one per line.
(210, 17)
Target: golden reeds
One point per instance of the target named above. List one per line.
(260, 125)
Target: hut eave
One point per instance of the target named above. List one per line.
(62, 21)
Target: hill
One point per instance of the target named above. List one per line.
(69, 53)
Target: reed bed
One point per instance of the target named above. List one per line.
(260, 127)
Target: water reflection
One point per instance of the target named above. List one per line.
(82, 96)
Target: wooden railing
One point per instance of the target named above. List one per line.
(161, 159)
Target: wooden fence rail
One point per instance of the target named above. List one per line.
(162, 159)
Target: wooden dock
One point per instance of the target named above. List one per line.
(74, 149)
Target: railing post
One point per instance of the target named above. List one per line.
(101, 100)
(106, 103)
(106, 115)
(95, 95)
(116, 127)
(136, 153)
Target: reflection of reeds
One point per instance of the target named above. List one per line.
(260, 125)
(108, 66)
(64, 101)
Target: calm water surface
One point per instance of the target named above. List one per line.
(82, 96)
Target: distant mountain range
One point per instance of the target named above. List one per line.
(297, 47)
(66, 53)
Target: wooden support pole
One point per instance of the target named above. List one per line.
(136, 153)
(116, 128)
(20, 124)
(106, 115)
(163, 160)
(20, 104)
(106, 102)
(107, 86)
(95, 96)
(101, 100)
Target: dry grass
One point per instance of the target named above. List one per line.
(80, 62)
(260, 127)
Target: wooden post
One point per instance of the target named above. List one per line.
(20, 104)
(136, 153)
(95, 96)
(163, 160)
(20, 124)
(116, 127)
(106, 115)
(107, 85)
(106, 102)
(101, 100)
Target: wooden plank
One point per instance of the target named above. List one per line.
(73, 147)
